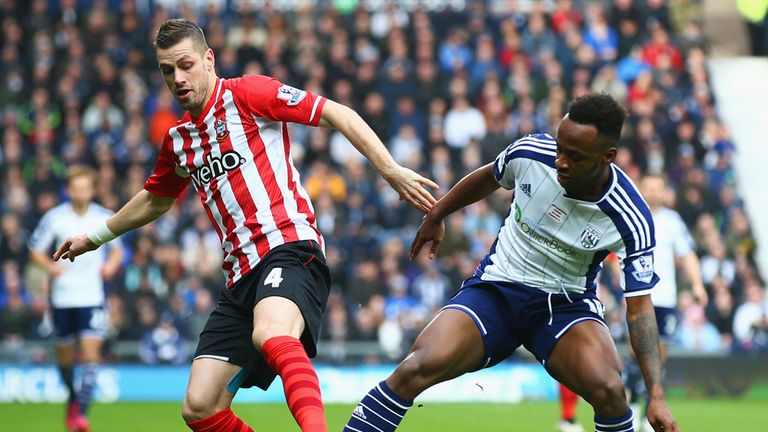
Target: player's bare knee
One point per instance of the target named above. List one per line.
(91, 357)
(264, 332)
(608, 398)
(197, 406)
(266, 329)
(416, 373)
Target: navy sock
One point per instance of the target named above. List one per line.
(619, 424)
(381, 410)
(87, 383)
(68, 376)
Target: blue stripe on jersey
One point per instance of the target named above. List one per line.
(621, 202)
(538, 147)
(545, 142)
(639, 204)
(487, 259)
(624, 230)
(498, 168)
(546, 159)
(543, 138)
(540, 141)
(630, 215)
(594, 267)
(533, 145)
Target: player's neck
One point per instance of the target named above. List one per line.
(198, 111)
(593, 193)
(80, 209)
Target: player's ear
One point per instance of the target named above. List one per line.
(210, 60)
(609, 155)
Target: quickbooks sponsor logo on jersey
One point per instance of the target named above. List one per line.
(546, 241)
(216, 166)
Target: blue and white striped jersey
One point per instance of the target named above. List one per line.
(555, 243)
(80, 284)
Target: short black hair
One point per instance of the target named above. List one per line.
(175, 30)
(601, 111)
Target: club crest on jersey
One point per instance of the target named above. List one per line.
(643, 268)
(291, 94)
(590, 237)
(220, 126)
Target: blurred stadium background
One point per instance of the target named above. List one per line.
(446, 84)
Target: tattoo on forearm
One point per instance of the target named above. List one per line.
(644, 336)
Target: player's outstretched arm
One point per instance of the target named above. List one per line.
(692, 269)
(142, 209)
(472, 188)
(644, 336)
(406, 182)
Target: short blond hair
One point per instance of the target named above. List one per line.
(76, 171)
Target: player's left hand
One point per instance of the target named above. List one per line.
(409, 185)
(74, 246)
(701, 294)
(109, 270)
(430, 230)
(660, 417)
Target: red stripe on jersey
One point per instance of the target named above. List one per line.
(302, 202)
(267, 174)
(226, 217)
(186, 147)
(242, 194)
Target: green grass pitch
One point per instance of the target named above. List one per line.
(709, 415)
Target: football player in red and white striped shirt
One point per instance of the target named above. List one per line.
(233, 146)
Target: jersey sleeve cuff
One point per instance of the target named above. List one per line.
(161, 192)
(637, 293)
(317, 110)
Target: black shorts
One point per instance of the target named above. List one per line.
(302, 277)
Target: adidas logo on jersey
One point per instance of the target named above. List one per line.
(216, 166)
(358, 412)
(526, 188)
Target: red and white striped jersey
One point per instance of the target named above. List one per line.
(237, 155)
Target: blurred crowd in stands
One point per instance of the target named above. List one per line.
(446, 90)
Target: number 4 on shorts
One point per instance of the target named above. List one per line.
(274, 277)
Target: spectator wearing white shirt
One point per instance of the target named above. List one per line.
(750, 322)
(463, 123)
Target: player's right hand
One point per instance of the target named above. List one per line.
(660, 417)
(74, 246)
(431, 230)
(410, 186)
(55, 270)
